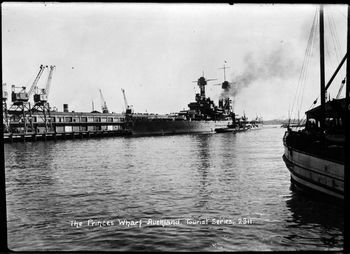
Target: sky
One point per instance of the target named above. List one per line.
(156, 51)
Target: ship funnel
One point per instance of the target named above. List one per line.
(65, 107)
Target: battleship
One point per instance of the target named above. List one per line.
(201, 116)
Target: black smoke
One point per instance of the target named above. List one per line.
(270, 65)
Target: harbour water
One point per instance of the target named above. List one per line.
(199, 192)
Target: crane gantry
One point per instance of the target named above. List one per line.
(103, 103)
(41, 103)
(22, 95)
(20, 110)
(128, 108)
(41, 95)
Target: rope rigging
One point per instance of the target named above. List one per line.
(305, 66)
(332, 45)
(338, 49)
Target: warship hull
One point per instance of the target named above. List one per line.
(160, 127)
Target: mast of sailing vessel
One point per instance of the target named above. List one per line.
(322, 72)
(347, 147)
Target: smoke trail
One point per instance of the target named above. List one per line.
(274, 64)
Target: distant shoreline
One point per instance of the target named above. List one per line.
(280, 122)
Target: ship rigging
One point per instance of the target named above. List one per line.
(315, 155)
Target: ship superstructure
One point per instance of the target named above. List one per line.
(205, 109)
(202, 115)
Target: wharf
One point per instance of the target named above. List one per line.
(31, 137)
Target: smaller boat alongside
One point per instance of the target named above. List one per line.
(256, 124)
(241, 124)
(229, 128)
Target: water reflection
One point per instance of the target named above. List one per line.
(309, 211)
(203, 167)
(29, 175)
(33, 165)
(185, 176)
(226, 157)
(306, 209)
(203, 153)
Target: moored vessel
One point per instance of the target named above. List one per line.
(202, 116)
(315, 155)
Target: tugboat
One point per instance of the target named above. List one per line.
(229, 128)
(315, 155)
(257, 123)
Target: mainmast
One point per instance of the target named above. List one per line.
(322, 72)
(347, 145)
(224, 68)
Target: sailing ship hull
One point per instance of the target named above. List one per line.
(161, 127)
(315, 155)
(313, 173)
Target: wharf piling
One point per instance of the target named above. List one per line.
(32, 137)
(36, 126)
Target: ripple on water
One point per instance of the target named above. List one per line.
(195, 177)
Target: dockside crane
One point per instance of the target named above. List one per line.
(128, 112)
(4, 107)
(104, 104)
(41, 104)
(128, 108)
(42, 95)
(4, 92)
(23, 95)
(20, 109)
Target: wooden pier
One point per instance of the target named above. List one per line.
(32, 137)
(34, 126)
